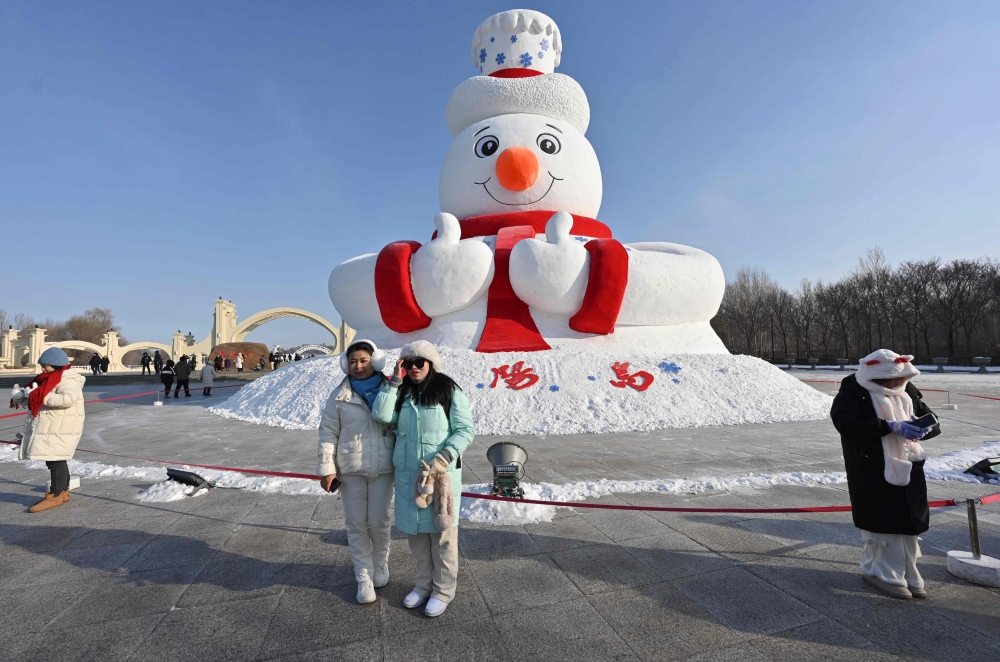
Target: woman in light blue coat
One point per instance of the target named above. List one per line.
(433, 425)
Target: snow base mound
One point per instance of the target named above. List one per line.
(563, 391)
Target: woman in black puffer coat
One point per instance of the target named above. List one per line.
(885, 468)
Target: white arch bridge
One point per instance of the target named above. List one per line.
(225, 329)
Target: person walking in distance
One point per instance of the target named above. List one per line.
(105, 364)
(218, 363)
(357, 450)
(239, 362)
(52, 431)
(207, 378)
(875, 412)
(145, 363)
(167, 375)
(183, 372)
(433, 428)
(157, 361)
(95, 363)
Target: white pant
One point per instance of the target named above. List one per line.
(891, 558)
(366, 510)
(437, 563)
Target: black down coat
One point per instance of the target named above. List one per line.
(878, 506)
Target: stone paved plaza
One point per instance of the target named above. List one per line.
(238, 575)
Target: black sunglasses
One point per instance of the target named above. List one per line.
(418, 362)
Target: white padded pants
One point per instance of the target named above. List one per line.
(369, 527)
(891, 558)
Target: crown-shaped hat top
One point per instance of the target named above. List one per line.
(516, 39)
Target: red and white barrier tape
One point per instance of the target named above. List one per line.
(944, 503)
(125, 397)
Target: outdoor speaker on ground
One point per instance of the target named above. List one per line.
(508, 460)
(189, 478)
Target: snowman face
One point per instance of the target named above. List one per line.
(521, 162)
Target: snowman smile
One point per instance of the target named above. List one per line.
(520, 204)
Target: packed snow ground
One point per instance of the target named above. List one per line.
(572, 394)
(949, 467)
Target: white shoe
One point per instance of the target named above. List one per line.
(413, 600)
(435, 608)
(381, 575)
(366, 592)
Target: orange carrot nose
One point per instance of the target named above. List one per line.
(517, 168)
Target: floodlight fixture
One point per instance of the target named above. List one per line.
(508, 460)
(984, 469)
(189, 478)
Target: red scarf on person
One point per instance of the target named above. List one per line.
(46, 382)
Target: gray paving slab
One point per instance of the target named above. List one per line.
(110, 640)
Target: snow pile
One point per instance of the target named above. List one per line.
(169, 490)
(565, 391)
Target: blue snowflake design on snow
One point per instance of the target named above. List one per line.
(482, 55)
(545, 44)
(592, 378)
(553, 388)
(500, 58)
(525, 60)
(513, 39)
(675, 380)
(480, 385)
(671, 367)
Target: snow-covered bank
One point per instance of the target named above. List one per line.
(949, 467)
(567, 392)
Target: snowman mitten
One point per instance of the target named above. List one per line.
(425, 486)
(444, 505)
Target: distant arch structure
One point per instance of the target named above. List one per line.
(305, 349)
(225, 329)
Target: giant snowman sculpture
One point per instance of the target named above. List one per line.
(519, 261)
(549, 323)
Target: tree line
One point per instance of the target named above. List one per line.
(90, 327)
(928, 308)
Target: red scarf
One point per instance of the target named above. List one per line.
(46, 382)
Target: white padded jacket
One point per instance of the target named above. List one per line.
(351, 442)
(55, 433)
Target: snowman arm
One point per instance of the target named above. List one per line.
(394, 290)
(352, 291)
(606, 286)
(670, 284)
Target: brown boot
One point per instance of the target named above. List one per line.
(50, 501)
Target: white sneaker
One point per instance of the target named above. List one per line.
(413, 600)
(435, 608)
(366, 592)
(381, 575)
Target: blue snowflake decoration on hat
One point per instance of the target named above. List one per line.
(513, 39)
(500, 58)
(541, 55)
(482, 55)
(525, 60)
(553, 388)
(545, 44)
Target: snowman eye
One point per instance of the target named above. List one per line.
(487, 146)
(549, 143)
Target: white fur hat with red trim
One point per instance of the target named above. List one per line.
(516, 53)
(886, 364)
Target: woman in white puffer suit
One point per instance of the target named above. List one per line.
(357, 450)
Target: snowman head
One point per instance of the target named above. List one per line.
(519, 129)
(520, 162)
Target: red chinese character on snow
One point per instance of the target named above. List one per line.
(640, 380)
(517, 376)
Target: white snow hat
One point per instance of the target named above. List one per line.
(516, 53)
(422, 349)
(516, 38)
(378, 356)
(886, 364)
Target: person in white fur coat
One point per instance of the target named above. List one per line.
(885, 468)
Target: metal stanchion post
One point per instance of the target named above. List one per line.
(977, 552)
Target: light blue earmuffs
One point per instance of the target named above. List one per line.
(378, 357)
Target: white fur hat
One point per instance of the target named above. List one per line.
(422, 349)
(886, 364)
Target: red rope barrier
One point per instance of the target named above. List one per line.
(945, 503)
(984, 397)
(123, 397)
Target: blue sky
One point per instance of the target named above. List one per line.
(158, 155)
